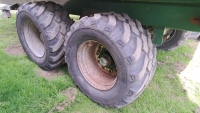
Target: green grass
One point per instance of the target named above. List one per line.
(22, 91)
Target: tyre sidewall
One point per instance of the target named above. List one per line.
(172, 43)
(175, 38)
(103, 97)
(22, 17)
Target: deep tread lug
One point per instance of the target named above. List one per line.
(51, 21)
(134, 44)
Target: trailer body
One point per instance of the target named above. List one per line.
(177, 14)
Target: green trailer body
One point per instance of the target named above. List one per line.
(177, 14)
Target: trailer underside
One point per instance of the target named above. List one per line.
(160, 14)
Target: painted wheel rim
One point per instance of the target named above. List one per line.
(97, 65)
(34, 39)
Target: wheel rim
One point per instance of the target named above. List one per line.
(168, 34)
(34, 39)
(97, 65)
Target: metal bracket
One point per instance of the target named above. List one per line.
(158, 33)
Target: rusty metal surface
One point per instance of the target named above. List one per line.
(90, 68)
(195, 20)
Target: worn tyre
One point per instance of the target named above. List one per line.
(41, 27)
(124, 68)
(176, 39)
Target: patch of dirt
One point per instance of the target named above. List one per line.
(161, 63)
(187, 55)
(170, 76)
(197, 110)
(168, 57)
(157, 86)
(49, 75)
(154, 86)
(164, 62)
(14, 50)
(179, 67)
(193, 44)
(71, 95)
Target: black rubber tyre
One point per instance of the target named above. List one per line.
(41, 27)
(175, 41)
(131, 48)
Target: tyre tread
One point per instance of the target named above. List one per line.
(55, 26)
(131, 32)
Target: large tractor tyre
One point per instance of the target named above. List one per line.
(110, 58)
(174, 39)
(41, 27)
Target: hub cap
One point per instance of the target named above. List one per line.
(97, 65)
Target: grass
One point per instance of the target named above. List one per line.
(23, 91)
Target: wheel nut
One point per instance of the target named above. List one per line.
(103, 61)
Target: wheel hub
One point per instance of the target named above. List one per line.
(104, 60)
(97, 65)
